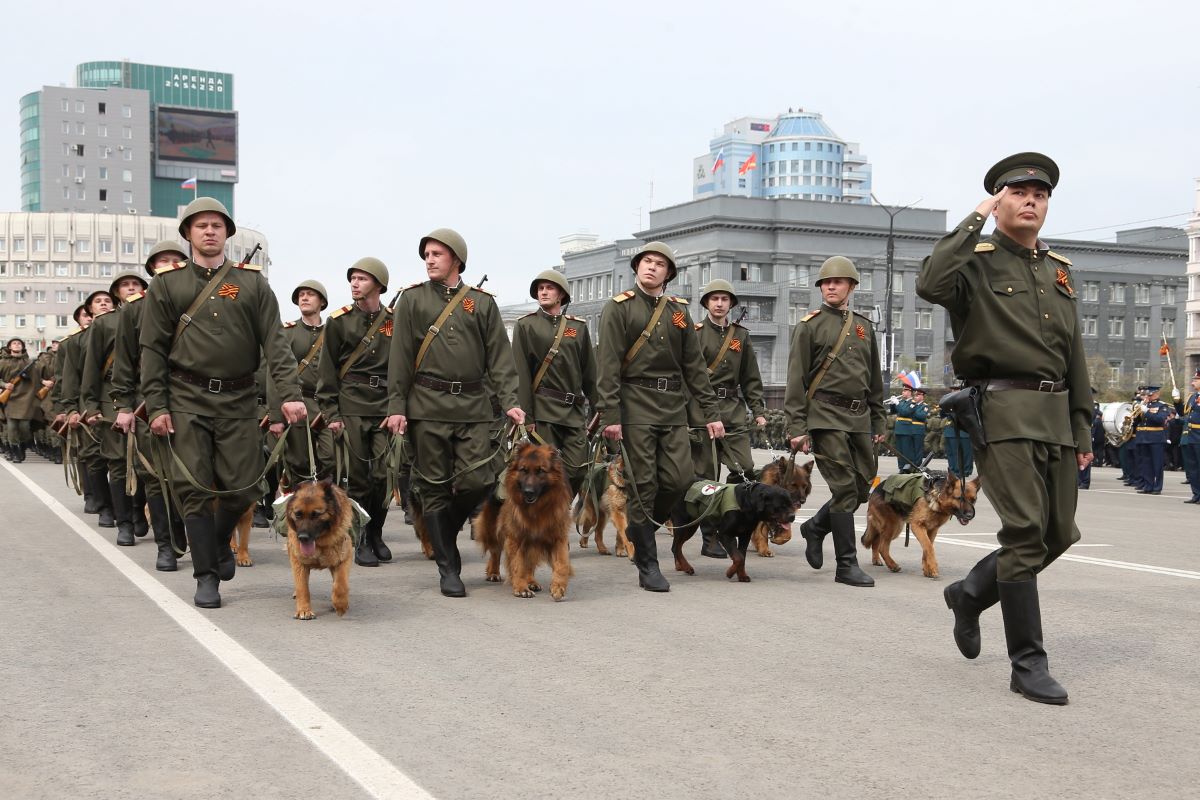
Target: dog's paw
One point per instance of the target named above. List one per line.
(558, 591)
(743, 578)
(245, 561)
(341, 609)
(492, 578)
(876, 561)
(930, 573)
(603, 550)
(305, 613)
(522, 593)
(583, 542)
(534, 586)
(766, 554)
(894, 567)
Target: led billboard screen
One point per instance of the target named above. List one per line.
(208, 137)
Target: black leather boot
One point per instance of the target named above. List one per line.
(224, 524)
(103, 497)
(968, 599)
(205, 544)
(1023, 630)
(364, 552)
(645, 557)
(814, 530)
(711, 546)
(20, 457)
(443, 537)
(844, 549)
(402, 485)
(91, 503)
(137, 508)
(166, 561)
(379, 512)
(121, 513)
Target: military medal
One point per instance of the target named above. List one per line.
(468, 305)
(1063, 281)
(677, 320)
(229, 290)
(861, 331)
(735, 345)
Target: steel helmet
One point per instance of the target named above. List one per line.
(661, 249)
(718, 285)
(370, 265)
(319, 288)
(205, 204)
(551, 276)
(838, 267)
(120, 276)
(165, 246)
(450, 238)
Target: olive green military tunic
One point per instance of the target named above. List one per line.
(125, 391)
(75, 347)
(448, 422)
(95, 387)
(647, 398)
(205, 378)
(738, 384)
(301, 338)
(22, 403)
(1014, 315)
(359, 399)
(570, 382)
(841, 436)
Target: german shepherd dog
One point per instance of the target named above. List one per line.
(944, 497)
(531, 524)
(318, 537)
(758, 504)
(239, 540)
(594, 509)
(797, 481)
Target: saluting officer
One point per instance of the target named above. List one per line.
(1012, 305)
(732, 369)
(352, 394)
(834, 402)
(207, 322)
(448, 351)
(648, 353)
(1151, 441)
(1190, 442)
(165, 517)
(556, 372)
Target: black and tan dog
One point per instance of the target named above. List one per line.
(939, 499)
(797, 481)
(604, 499)
(318, 537)
(738, 509)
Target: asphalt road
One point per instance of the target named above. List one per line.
(789, 686)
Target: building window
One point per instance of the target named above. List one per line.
(897, 319)
(106, 247)
(39, 269)
(1141, 327)
(127, 197)
(39, 295)
(1091, 291)
(866, 281)
(1168, 295)
(924, 320)
(83, 271)
(1141, 294)
(795, 313)
(923, 368)
(83, 246)
(61, 320)
(66, 127)
(60, 296)
(102, 130)
(18, 296)
(104, 173)
(1116, 326)
(1169, 328)
(18, 244)
(1139, 373)
(60, 244)
(103, 195)
(80, 129)
(39, 244)
(127, 132)
(3, 244)
(148, 245)
(1118, 293)
(20, 269)
(39, 321)
(127, 112)
(79, 107)
(897, 282)
(81, 194)
(3, 296)
(106, 270)
(62, 270)
(127, 176)
(1114, 373)
(1089, 326)
(127, 154)
(19, 320)
(64, 105)
(102, 107)
(127, 247)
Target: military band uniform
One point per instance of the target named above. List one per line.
(905, 435)
(958, 442)
(1150, 443)
(557, 406)
(737, 384)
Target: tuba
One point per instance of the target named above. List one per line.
(1135, 414)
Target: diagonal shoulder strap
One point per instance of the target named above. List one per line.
(550, 354)
(833, 354)
(205, 293)
(645, 334)
(436, 327)
(312, 351)
(724, 349)
(364, 343)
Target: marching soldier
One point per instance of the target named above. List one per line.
(903, 430)
(556, 372)
(352, 395)
(732, 370)
(306, 338)
(448, 352)
(834, 402)
(91, 460)
(1190, 444)
(166, 521)
(18, 377)
(68, 352)
(1151, 442)
(100, 414)
(1012, 305)
(648, 354)
(206, 324)
(47, 440)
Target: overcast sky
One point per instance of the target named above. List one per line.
(364, 125)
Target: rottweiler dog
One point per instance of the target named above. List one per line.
(738, 510)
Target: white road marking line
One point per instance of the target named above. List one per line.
(375, 774)
(1100, 562)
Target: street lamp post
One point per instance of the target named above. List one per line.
(887, 301)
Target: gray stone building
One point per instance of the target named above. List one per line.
(1132, 291)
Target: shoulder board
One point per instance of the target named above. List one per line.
(573, 319)
(699, 326)
(984, 247)
(170, 267)
(810, 315)
(135, 296)
(388, 309)
(864, 316)
(1057, 257)
(250, 267)
(413, 285)
(340, 311)
(682, 301)
(291, 323)
(484, 291)
(531, 314)
(623, 296)
(72, 333)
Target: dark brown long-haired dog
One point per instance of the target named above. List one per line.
(797, 481)
(318, 526)
(944, 497)
(531, 524)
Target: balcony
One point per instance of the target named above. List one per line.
(855, 175)
(756, 288)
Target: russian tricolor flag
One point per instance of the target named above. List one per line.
(720, 161)
(190, 183)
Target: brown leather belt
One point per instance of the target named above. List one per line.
(728, 392)
(854, 405)
(566, 398)
(1004, 384)
(214, 385)
(450, 387)
(657, 384)
(374, 381)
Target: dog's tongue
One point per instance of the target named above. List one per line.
(308, 548)
(963, 521)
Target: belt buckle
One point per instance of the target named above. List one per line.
(722, 393)
(662, 385)
(1046, 386)
(856, 406)
(455, 387)
(373, 381)
(569, 398)
(214, 385)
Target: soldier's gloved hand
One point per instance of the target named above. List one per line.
(294, 412)
(760, 422)
(162, 425)
(716, 430)
(125, 421)
(396, 424)
(517, 415)
(801, 443)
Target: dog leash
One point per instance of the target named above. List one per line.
(631, 481)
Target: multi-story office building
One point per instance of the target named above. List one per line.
(795, 155)
(1132, 291)
(50, 262)
(126, 138)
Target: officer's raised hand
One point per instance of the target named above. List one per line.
(985, 208)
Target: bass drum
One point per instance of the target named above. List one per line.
(1114, 419)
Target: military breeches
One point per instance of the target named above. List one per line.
(658, 470)
(367, 444)
(145, 446)
(112, 447)
(733, 452)
(221, 453)
(295, 454)
(445, 449)
(1034, 488)
(18, 431)
(571, 443)
(848, 464)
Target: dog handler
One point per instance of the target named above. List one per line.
(1012, 305)
(834, 403)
